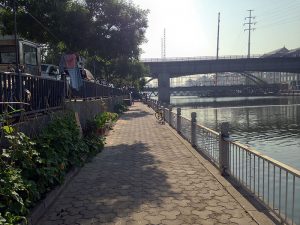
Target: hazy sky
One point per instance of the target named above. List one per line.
(191, 26)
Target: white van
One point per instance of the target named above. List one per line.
(50, 71)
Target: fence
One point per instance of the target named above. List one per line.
(35, 93)
(31, 93)
(274, 184)
(94, 90)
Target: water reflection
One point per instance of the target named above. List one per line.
(269, 124)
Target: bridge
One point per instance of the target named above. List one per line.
(165, 68)
(223, 91)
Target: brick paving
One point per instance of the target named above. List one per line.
(145, 175)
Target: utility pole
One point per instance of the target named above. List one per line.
(162, 47)
(216, 81)
(16, 35)
(19, 78)
(249, 29)
(164, 43)
(218, 35)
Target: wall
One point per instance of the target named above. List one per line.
(85, 109)
(88, 109)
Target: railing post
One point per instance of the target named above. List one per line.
(170, 115)
(84, 90)
(178, 120)
(224, 149)
(193, 128)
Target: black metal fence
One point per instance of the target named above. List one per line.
(35, 93)
(91, 89)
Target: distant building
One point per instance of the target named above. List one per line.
(293, 79)
(276, 53)
(282, 52)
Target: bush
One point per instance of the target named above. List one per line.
(103, 120)
(120, 108)
(30, 168)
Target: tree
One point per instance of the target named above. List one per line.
(119, 28)
(107, 32)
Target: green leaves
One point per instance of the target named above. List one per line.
(107, 32)
(8, 129)
(120, 108)
(30, 168)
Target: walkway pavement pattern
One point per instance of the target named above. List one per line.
(145, 175)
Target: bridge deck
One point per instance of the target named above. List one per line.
(149, 175)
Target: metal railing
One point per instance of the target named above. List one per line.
(274, 184)
(94, 90)
(166, 114)
(176, 59)
(31, 93)
(185, 130)
(35, 93)
(173, 120)
(208, 141)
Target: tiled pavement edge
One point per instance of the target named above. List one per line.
(148, 175)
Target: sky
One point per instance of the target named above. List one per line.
(191, 26)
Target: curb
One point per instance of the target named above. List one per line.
(40, 210)
(257, 214)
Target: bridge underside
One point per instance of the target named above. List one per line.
(186, 68)
(224, 91)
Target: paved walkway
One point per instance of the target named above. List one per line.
(145, 175)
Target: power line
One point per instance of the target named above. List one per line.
(279, 20)
(281, 13)
(285, 21)
(279, 8)
(39, 22)
(42, 25)
(249, 29)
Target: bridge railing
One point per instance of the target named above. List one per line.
(272, 183)
(176, 59)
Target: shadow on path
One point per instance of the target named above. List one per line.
(118, 182)
(134, 113)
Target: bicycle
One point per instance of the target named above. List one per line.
(159, 115)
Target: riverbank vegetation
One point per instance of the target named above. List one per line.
(31, 167)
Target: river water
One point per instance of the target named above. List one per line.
(271, 125)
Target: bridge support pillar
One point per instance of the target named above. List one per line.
(164, 88)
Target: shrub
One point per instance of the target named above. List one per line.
(101, 121)
(120, 108)
(30, 168)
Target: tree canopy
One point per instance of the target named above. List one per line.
(107, 32)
